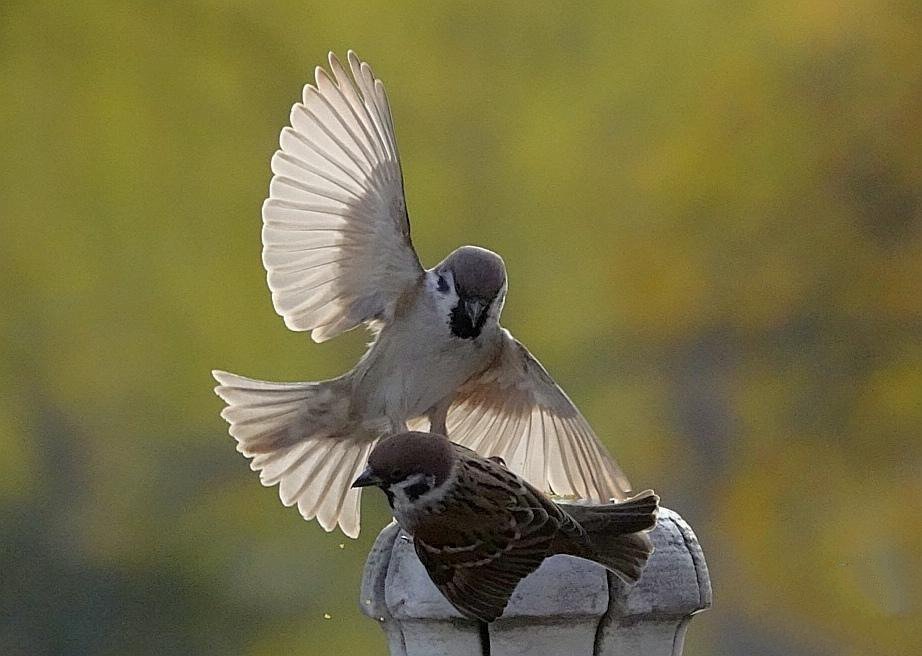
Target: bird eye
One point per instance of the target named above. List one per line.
(442, 284)
(396, 474)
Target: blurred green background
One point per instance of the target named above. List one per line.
(711, 217)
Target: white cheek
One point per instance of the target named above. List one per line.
(405, 509)
(496, 309)
(444, 302)
(399, 490)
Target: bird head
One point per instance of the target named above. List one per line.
(472, 283)
(408, 465)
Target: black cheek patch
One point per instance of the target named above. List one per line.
(416, 490)
(390, 497)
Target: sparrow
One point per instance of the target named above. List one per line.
(338, 254)
(479, 529)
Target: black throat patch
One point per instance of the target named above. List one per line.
(461, 325)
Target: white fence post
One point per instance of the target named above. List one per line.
(569, 607)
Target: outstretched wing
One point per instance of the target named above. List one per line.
(516, 411)
(336, 236)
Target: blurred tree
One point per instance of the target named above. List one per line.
(711, 216)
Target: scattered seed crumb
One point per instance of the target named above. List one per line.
(327, 616)
(380, 619)
(342, 545)
(368, 602)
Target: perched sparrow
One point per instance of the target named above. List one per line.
(479, 529)
(337, 249)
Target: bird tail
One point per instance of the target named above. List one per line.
(616, 533)
(299, 436)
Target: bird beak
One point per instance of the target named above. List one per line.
(366, 478)
(474, 308)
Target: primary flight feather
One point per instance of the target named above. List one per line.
(338, 254)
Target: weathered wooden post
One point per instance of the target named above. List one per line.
(569, 607)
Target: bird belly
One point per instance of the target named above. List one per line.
(409, 374)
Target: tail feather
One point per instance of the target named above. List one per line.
(340, 497)
(616, 533)
(624, 555)
(299, 437)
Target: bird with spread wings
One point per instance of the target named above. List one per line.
(338, 254)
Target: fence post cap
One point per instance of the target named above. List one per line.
(567, 606)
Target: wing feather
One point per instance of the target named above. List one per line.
(336, 235)
(478, 569)
(516, 411)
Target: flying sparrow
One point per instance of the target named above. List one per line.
(337, 250)
(479, 529)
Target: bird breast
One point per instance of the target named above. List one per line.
(415, 363)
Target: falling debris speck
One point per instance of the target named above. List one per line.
(327, 616)
(342, 545)
(380, 619)
(368, 602)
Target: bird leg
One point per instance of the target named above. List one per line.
(396, 425)
(438, 416)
